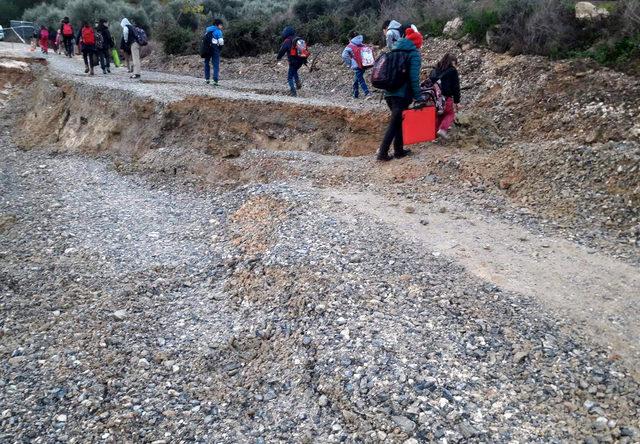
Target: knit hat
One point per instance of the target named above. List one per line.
(413, 35)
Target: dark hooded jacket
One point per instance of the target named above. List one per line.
(106, 35)
(449, 82)
(289, 34)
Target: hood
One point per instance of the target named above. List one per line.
(394, 25)
(211, 28)
(405, 44)
(357, 40)
(288, 32)
(125, 22)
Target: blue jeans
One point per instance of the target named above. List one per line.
(292, 78)
(359, 82)
(214, 58)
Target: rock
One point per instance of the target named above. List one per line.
(409, 210)
(600, 423)
(404, 423)
(587, 11)
(520, 356)
(341, 321)
(629, 431)
(120, 315)
(323, 401)
(61, 418)
(463, 119)
(453, 28)
(495, 40)
(142, 362)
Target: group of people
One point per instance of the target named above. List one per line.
(96, 44)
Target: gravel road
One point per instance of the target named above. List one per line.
(137, 310)
(147, 308)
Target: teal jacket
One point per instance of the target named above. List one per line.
(411, 89)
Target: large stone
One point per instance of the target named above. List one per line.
(588, 11)
(453, 28)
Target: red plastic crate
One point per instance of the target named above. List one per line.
(419, 125)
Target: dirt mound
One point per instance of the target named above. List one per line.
(520, 98)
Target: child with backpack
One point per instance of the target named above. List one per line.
(67, 36)
(446, 75)
(392, 31)
(297, 54)
(104, 43)
(403, 87)
(87, 39)
(358, 57)
(212, 43)
(44, 39)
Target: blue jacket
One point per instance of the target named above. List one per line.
(411, 89)
(347, 54)
(216, 34)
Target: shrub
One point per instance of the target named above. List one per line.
(478, 22)
(177, 40)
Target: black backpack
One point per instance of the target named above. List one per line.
(205, 45)
(391, 70)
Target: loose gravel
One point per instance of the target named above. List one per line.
(138, 310)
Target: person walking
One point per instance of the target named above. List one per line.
(446, 72)
(86, 39)
(392, 31)
(352, 57)
(67, 36)
(103, 45)
(400, 99)
(58, 44)
(44, 39)
(131, 46)
(295, 56)
(215, 40)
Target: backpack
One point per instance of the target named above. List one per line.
(88, 36)
(363, 55)
(99, 40)
(141, 36)
(205, 45)
(391, 70)
(432, 92)
(67, 30)
(299, 48)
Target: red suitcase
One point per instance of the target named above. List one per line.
(419, 125)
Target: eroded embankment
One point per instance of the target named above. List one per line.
(77, 117)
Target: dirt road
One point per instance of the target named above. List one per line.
(165, 306)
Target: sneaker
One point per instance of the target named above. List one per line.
(383, 157)
(298, 84)
(215, 83)
(443, 134)
(207, 82)
(135, 76)
(86, 70)
(367, 96)
(104, 71)
(401, 154)
(293, 94)
(109, 70)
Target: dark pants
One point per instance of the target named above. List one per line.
(68, 46)
(88, 55)
(394, 131)
(359, 82)
(292, 78)
(103, 57)
(214, 59)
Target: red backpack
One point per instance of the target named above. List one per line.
(67, 30)
(88, 37)
(299, 48)
(363, 55)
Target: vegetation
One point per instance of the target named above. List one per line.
(545, 27)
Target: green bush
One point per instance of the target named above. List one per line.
(177, 40)
(477, 22)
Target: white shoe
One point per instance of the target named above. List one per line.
(443, 134)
